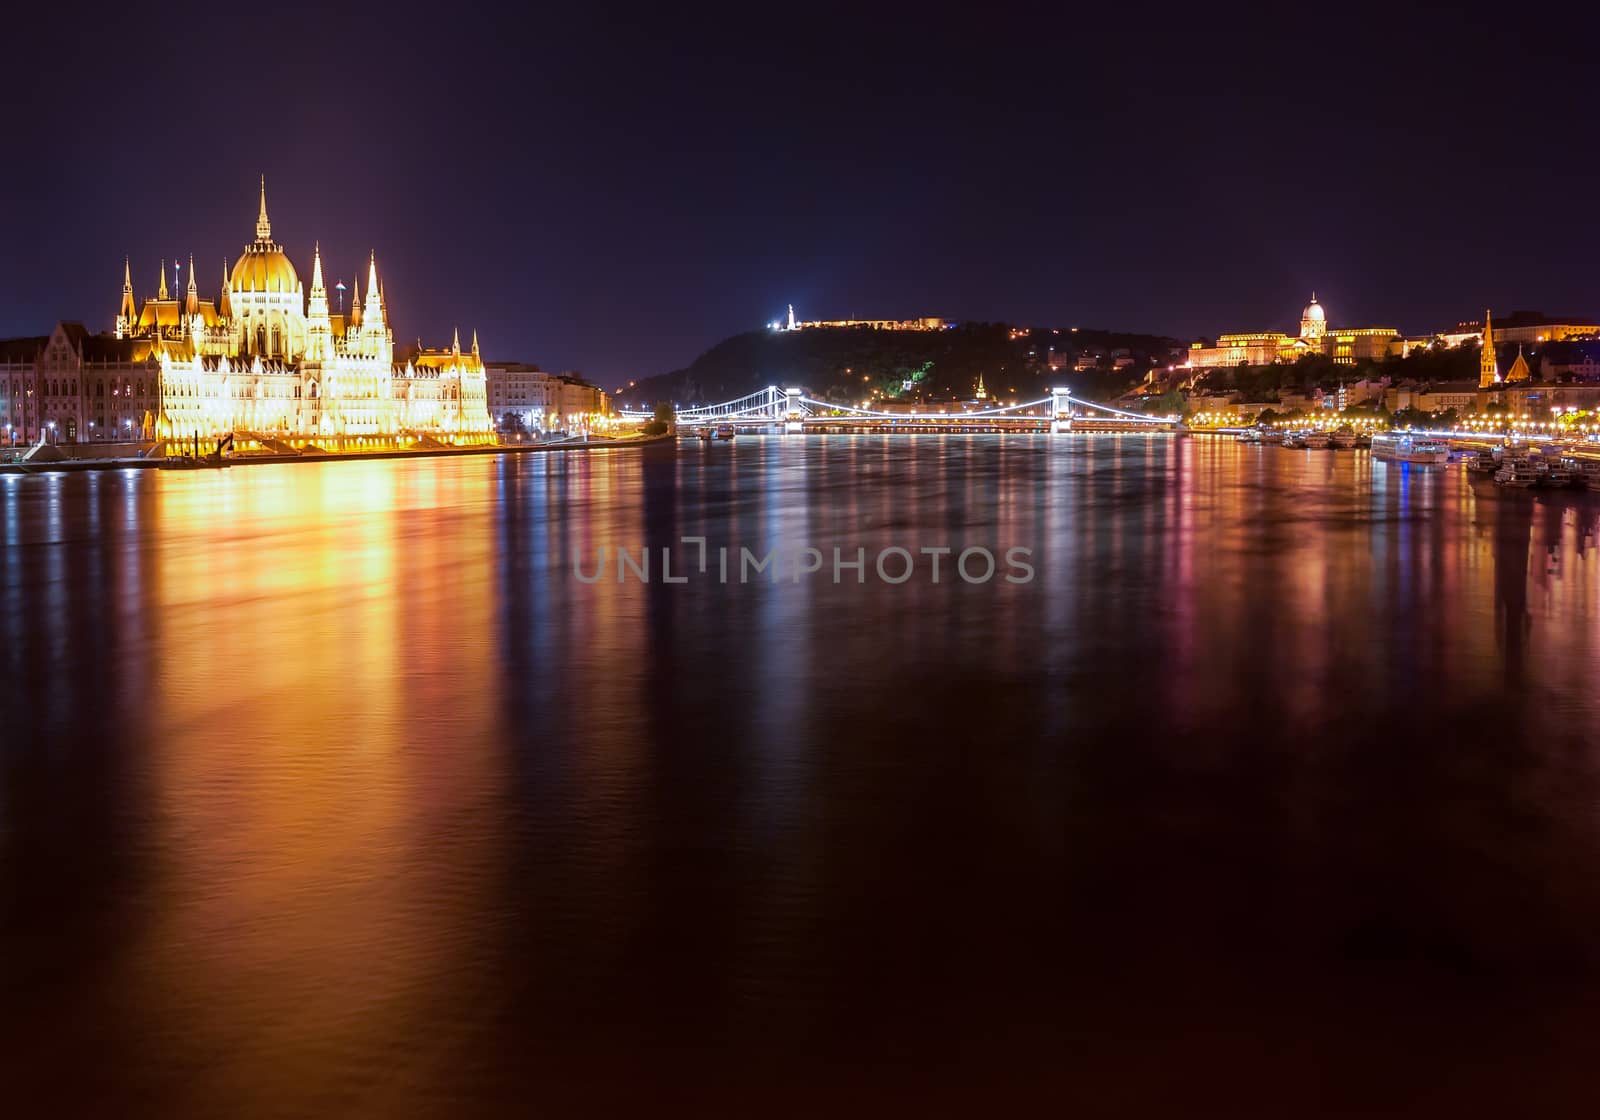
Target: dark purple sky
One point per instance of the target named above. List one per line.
(615, 192)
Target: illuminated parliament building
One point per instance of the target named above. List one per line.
(265, 360)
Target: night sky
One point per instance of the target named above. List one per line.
(615, 191)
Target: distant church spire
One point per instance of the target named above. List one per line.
(162, 293)
(1519, 370)
(1488, 367)
(263, 226)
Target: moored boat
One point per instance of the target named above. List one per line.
(1409, 447)
(1482, 461)
(1516, 468)
(1517, 473)
(1344, 438)
(1555, 475)
(1585, 471)
(1318, 441)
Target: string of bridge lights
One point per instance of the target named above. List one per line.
(776, 404)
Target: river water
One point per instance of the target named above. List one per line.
(332, 789)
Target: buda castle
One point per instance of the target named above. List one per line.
(1345, 345)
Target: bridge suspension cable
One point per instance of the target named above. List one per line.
(777, 404)
(920, 415)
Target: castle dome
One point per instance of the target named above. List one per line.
(264, 267)
(1314, 312)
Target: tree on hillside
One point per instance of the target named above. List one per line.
(1169, 403)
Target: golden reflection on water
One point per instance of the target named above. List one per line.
(321, 717)
(381, 790)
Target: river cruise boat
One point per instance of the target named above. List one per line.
(1344, 438)
(1294, 439)
(1555, 475)
(1272, 435)
(1249, 435)
(1409, 447)
(1585, 471)
(725, 432)
(1517, 473)
(1482, 461)
(1517, 468)
(1318, 441)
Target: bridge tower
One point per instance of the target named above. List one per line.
(792, 414)
(1060, 411)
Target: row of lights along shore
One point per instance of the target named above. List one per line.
(1523, 424)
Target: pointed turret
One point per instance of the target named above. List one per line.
(263, 226)
(355, 303)
(161, 293)
(191, 303)
(225, 297)
(475, 353)
(316, 271)
(127, 312)
(319, 326)
(455, 343)
(1488, 367)
(372, 314)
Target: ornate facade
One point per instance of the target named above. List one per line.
(269, 362)
(1261, 348)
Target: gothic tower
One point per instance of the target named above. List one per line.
(1488, 368)
(319, 326)
(127, 316)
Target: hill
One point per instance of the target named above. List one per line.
(853, 364)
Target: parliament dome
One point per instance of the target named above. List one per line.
(265, 267)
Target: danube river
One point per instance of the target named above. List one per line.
(331, 789)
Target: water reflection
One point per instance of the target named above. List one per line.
(330, 785)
